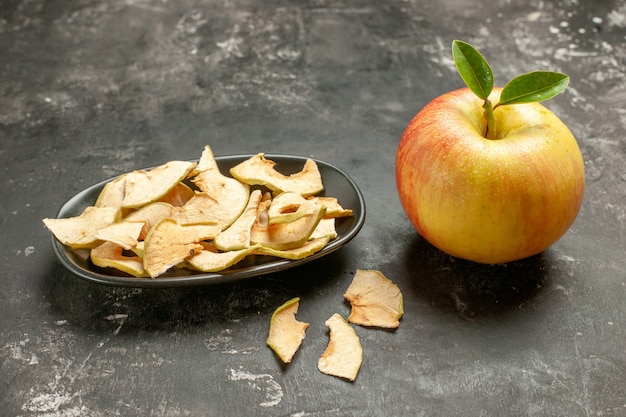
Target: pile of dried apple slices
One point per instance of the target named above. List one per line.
(189, 215)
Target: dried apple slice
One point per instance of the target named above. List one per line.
(376, 301)
(214, 261)
(257, 170)
(333, 208)
(343, 355)
(286, 333)
(326, 227)
(169, 243)
(288, 207)
(80, 231)
(112, 194)
(150, 215)
(143, 187)
(222, 199)
(125, 234)
(306, 250)
(110, 255)
(237, 235)
(178, 196)
(284, 236)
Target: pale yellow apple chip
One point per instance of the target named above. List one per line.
(309, 248)
(150, 215)
(226, 198)
(286, 333)
(333, 208)
(169, 243)
(343, 355)
(143, 187)
(282, 236)
(376, 301)
(80, 231)
(325, 228)
(179, 195)
(237, 235)
(112, 194)
(258, 170)
(110, 255)
(214, 261)
(125, 234)
(288, 207)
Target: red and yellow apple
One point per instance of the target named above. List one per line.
(489, 200)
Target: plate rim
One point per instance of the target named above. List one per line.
(197, 279)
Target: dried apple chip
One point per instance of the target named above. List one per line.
(376, 301)
(178, 196)
(333, 208)
(225, 197)
(286, 333)
(110, 255)
(258, 170)
(169, 243)
(125, 234)
(237, 235)
(343, 355)
(150, 215)
(80, 231)
(112, 194)
(326, 227)
(215, 261)
(284, 236)
(306, 250)
(288, 207)
(143, 187)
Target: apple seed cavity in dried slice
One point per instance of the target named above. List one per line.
(143, 187)
(237, 235)
(169, 243)
(257, 170)
(214, 261)
(304, 251)
(288, 207)
(110, 255)
(125, 234)
(343, 355)
(376, 301)
(223, 199)
(286, 333)
(80, 231)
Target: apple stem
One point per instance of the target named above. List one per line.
(491, 123)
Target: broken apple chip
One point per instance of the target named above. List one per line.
(147, 186)
(169, 243)
(110, 255)
(258, 170)
(286, 333)
(79, 232)
(376, 301)
(343, 355)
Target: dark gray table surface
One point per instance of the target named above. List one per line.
(91, 89)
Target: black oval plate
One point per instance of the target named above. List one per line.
(336, 183)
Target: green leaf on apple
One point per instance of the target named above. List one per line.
(526, 88)
(532, 87)
(473, 68)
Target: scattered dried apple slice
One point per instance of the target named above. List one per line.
(284, 236)
(229, 196)
(286, 333)
(376, 301)
(237, 235)
(343, 355)
(110, 255)
(169, 243)
(124, 234)
(257, 170)
(80, 231)
(143, 187)
(214, 261)
(304, 251)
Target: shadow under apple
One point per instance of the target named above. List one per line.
(470, 289)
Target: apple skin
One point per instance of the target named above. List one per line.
(489, 200)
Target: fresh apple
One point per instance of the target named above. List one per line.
(490, 184)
